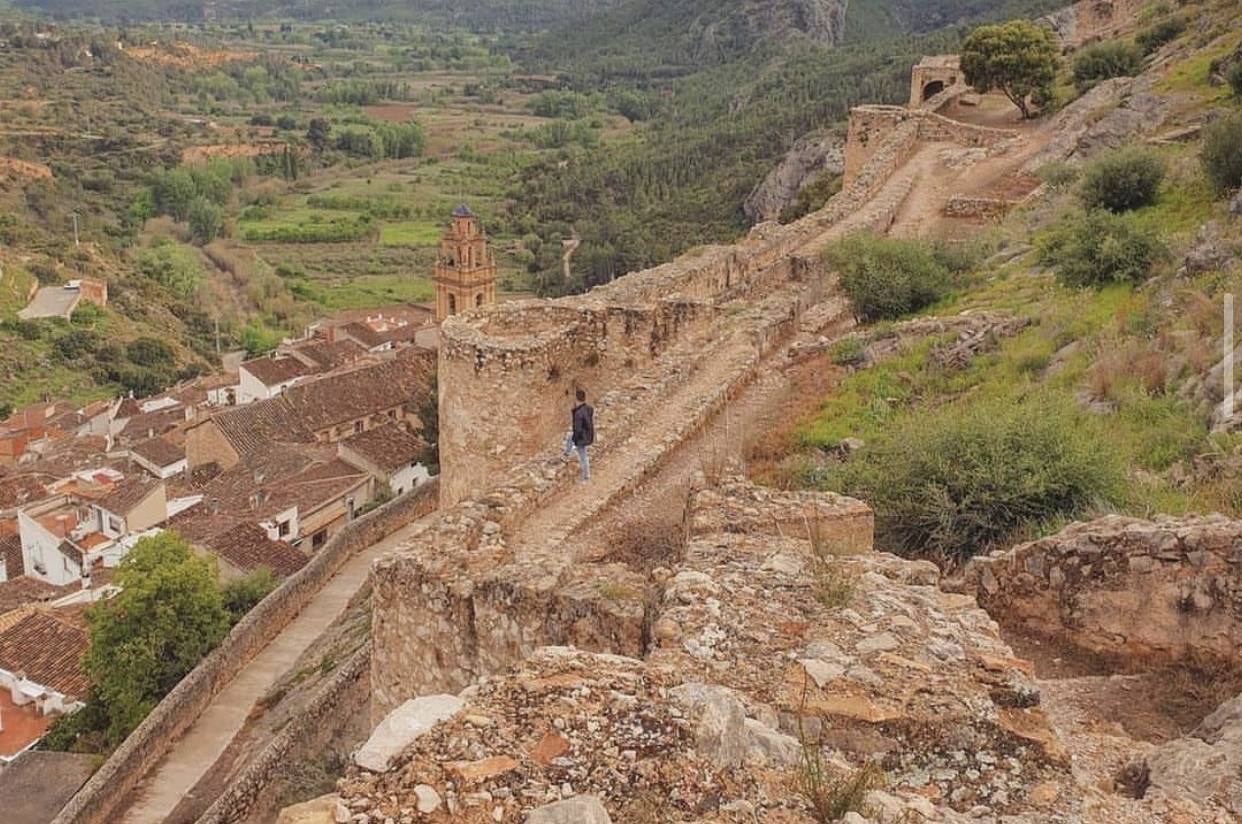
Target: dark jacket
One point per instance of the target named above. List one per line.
(584, 425)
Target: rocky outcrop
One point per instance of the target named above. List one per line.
(812, 155)
(1205, 766)
(1161, 590)
(1106, 117)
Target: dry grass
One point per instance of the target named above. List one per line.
(834, 583)
(827, 795)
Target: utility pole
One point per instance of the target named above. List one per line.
(75, 230)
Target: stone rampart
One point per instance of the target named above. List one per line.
(112, 785)
(1155, 591)
(249, 791)
(888, 135)
(459, 602)
(508, 373)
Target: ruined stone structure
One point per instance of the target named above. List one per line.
(889, 135)
(1161, 591)
(465, 274)
(778, 622)
(933, 75)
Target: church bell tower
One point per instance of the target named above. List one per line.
(465, 273)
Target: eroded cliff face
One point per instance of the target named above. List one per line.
(812, 155)
(730, 27)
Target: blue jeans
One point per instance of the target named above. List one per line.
(584, 463)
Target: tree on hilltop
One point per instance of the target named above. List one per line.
(1018, 58)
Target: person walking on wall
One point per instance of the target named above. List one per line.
(582, 434)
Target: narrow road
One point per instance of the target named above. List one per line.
(193, 755)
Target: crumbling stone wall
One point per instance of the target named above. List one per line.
(746, 656)
(1160, 590)
(884, 137)
(508, 373)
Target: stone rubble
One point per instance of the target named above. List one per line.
(753, 665)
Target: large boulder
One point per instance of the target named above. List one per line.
(582, 809)
(1205, 765)
(402, 727)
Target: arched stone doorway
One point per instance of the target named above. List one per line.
(932, 89)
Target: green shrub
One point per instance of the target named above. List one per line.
(1233, 76)
(1097, 248)
(963, 477)
(241, 594)
(1122, 180)
(1103, 61)
(849, 351)
(149, 352)
(1221, 151)
(1058, 175)
(886, 277)
(1153, 38)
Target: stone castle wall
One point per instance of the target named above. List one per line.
(508, 373)
(1157, 591)
(888, 135)
(112, 785)
(250, 795)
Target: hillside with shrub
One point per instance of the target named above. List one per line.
(1105, 391)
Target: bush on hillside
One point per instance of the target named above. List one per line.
(962, 478)
(1097, 248)
(1233, 76)
(888, 278)
(1122, 180)
(1104, 61)
(1221, 151)
(1058, 175)
(1156, 36)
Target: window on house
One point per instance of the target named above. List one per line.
(359, 426)
(284, 528)
(319, 539)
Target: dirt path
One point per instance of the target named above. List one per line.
(206, 740)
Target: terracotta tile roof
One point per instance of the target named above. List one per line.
(370, 337)
(346, 396)
(25, 590)
(129, 408)
(247, 547)
(198, 523)
(302, 410)
(276, 370)
(67, 456)
(48, 650)
(387, 447)
(152, 424)
(159, 451)
(18, 490)
(126, 494)
(257, 426)
(326, 355)
(11, 555)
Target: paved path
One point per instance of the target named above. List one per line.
(197, 750)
